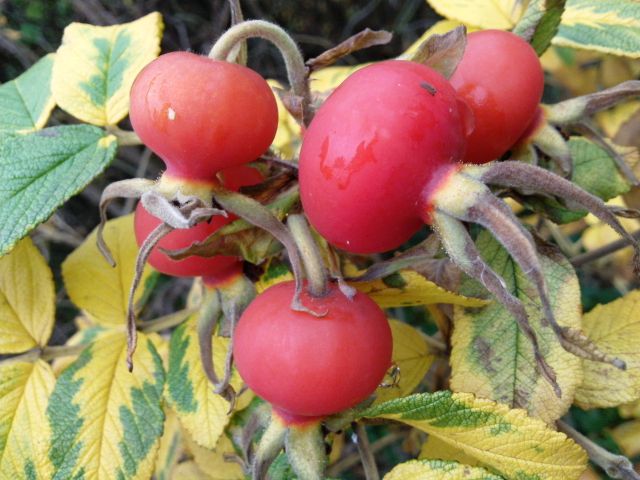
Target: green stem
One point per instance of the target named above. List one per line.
(166, 321)
(125, 138)
(296, 69)
(311, 258)
(45, 353)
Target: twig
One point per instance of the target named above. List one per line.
(366, 455)
(166, 321)
(616, 466)
(349, 461)
(587, 257)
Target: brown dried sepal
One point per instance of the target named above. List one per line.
(361, 40)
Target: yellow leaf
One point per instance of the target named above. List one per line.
(213, 462)
(436, 449)
(202, 413)
(576, 70)
(630, 410)
(95, 67)
(329, 78)
(504, 440)
(288, 139)
(408, 288)
(615, 328)
(24, 434)
(83, 336)
(107, 421)
(171, 447)
(493, 359)
(189, 470)
(411, 355)
(627, 436)
(502, 14)
(438, 470)
(27, 299)
(101, 291)
(612, 119)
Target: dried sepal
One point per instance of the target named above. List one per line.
(550, 141)
(412, 257)
(145, 250)
(576, 342)
(522, 176)
(361, 40)
(131, 188)
(574, 110)
(464, 253)
(441, 52)
(188, 212)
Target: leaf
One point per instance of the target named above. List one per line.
(408, 288)
(501, 14)
(627, 436)
(24, 434)
(615, 328)
(274, 273)
(189, 470)
(540, 22)
(493, 359)
(105, 421)
(411, 354)
(610, 26)
(93, 285)
(41, 170)
(437, 470)
(441, 52)
(27, 299)
(436, 449)
(26, 101)
(593, 170)
(329, 78)
(95, 67)
(202, 413)
(212, 461)
(288, 138)
(361, 40)
(504, 440)
(171, 447)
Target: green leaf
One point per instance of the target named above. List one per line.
(26, 102)
(95, 67)
(506, 441)
(41, 170)
(203, 413)
(540, 22)
(594, 170)
(105, 421)
(492, 358)
(609, 26)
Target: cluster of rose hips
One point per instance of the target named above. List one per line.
(396, 146)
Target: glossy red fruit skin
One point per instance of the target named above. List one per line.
(501, 79)
(374, 144)
(308, 366)
(214, 267)
(202, 115)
